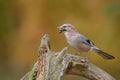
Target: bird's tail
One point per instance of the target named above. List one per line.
(102, 53)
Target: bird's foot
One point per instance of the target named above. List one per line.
(84, 60)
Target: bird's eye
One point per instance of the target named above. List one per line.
(64, 26)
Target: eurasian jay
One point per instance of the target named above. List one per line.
(80, 42)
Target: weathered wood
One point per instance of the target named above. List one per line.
(53, 65)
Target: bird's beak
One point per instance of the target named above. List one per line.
(60, 29)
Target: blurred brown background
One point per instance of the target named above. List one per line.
(24, 22)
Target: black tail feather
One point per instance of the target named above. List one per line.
(104, 54)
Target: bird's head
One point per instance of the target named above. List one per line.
(66, 28)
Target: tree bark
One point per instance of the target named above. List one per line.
(53, 65)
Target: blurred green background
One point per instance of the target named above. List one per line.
(24, 22)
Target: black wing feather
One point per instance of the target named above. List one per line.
(88, 42)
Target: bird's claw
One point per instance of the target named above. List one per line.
(84, 60)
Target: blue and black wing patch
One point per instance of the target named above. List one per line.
(88, 42)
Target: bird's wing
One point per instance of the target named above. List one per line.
(86, 41)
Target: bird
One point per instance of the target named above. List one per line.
(81, 43)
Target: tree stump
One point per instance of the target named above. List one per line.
(53, 65)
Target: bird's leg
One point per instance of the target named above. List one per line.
(85, 59)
